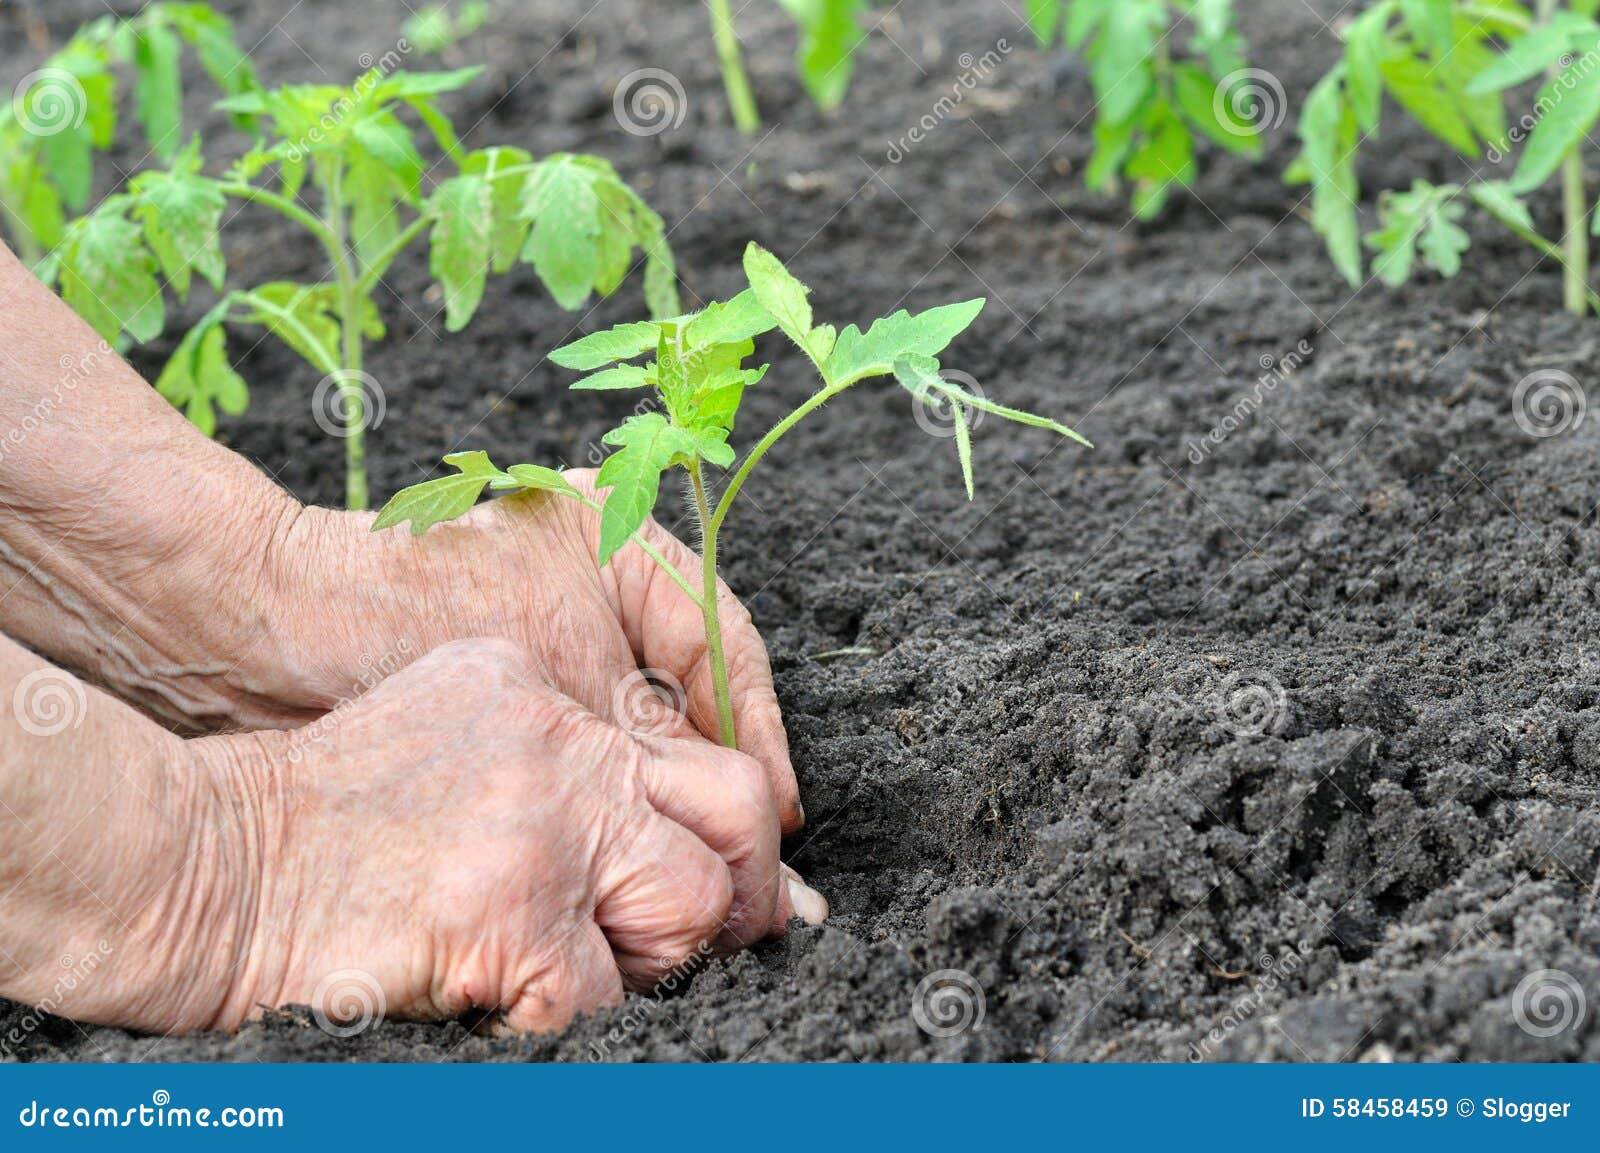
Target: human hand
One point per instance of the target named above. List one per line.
(496, 846)
(353, 606)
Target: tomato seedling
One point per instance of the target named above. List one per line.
(569, 216)
(66, 111)
(1451, 66)
(698, 377)
(1148, 105)
(434, 29)
(830, 33)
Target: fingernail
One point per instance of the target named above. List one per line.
(809, 905)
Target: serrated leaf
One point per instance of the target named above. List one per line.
(305, 317)
(561, 201)
(509, 230)
(598, 349)
(108, 276)
(874, 353)
(199, 379)
(181, 213)
(1416, 87)
(442, 499)
(727, 322)
(646, 445)
(461, 245)
(537, 478)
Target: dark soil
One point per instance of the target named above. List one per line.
(1292, 753)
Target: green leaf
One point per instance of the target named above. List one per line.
(646, 445)
(1043, 18)
(830, 34)
(1416, 86)
(1430, 23)
(874, 353)
(199, 378)
(108, 276)
(510, 230)
(624, 342)
(964, 447)
(1366, 45)
(1122, 57)
(158, 88)
(399, 85)
(561, 201)
(782, 296)
(1530, 54)
(181, 212)
(461, 245)
(741, 318)
(444, 498)
(1570, 103)
(1421, 219)
(537, 478)
(1328, 138)
(622, 376)
(1212, 111)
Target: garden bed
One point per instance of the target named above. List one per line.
(1282, 744)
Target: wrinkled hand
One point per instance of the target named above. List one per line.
(496, 846)
(358, 604)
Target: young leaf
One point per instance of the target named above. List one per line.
(1328, 137)
(443, 498)
(1531, 53)
(621, 376)
(560, 200)
(646, 445)
(461, 245)
(1422, 219)
(964, 446)
(782, 296)
(1496, 197)
(894, 338)
(181, 213)
(199, 379)
(108, 275)
(509, 230)
(624, 342)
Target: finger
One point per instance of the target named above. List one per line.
(667, 631)
(663, 893)
(579, 976)
(725, 799)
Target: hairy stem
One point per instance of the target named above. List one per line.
(353, 399)
(710, 611)
(817, 400)
(745, 113)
